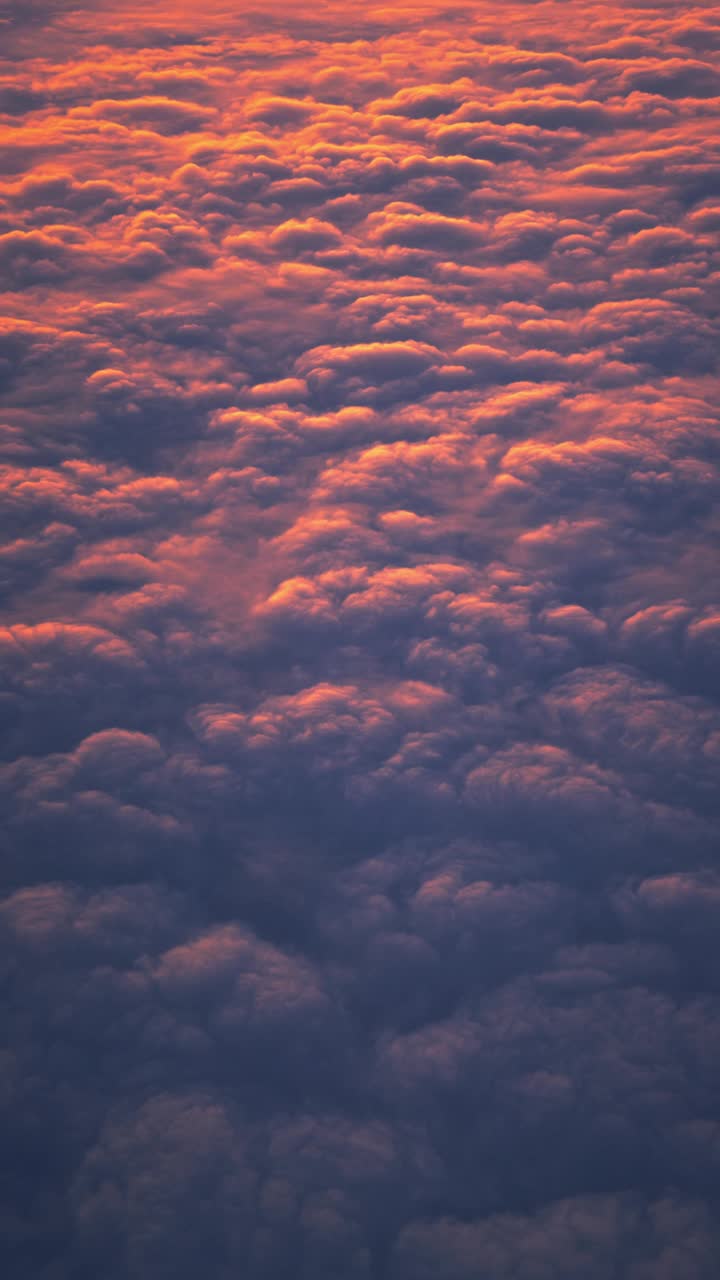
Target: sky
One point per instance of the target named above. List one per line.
(360, 646)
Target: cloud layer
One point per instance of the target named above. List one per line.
(360, 642)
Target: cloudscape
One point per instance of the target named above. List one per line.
(360, 640)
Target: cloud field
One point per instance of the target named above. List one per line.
(360, 641)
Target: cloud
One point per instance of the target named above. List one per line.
(583, 1236)
(359, 660)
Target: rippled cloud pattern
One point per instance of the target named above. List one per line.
(361, 633)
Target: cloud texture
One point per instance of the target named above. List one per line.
(361, 641)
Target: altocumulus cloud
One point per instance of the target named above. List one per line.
(360, 644)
